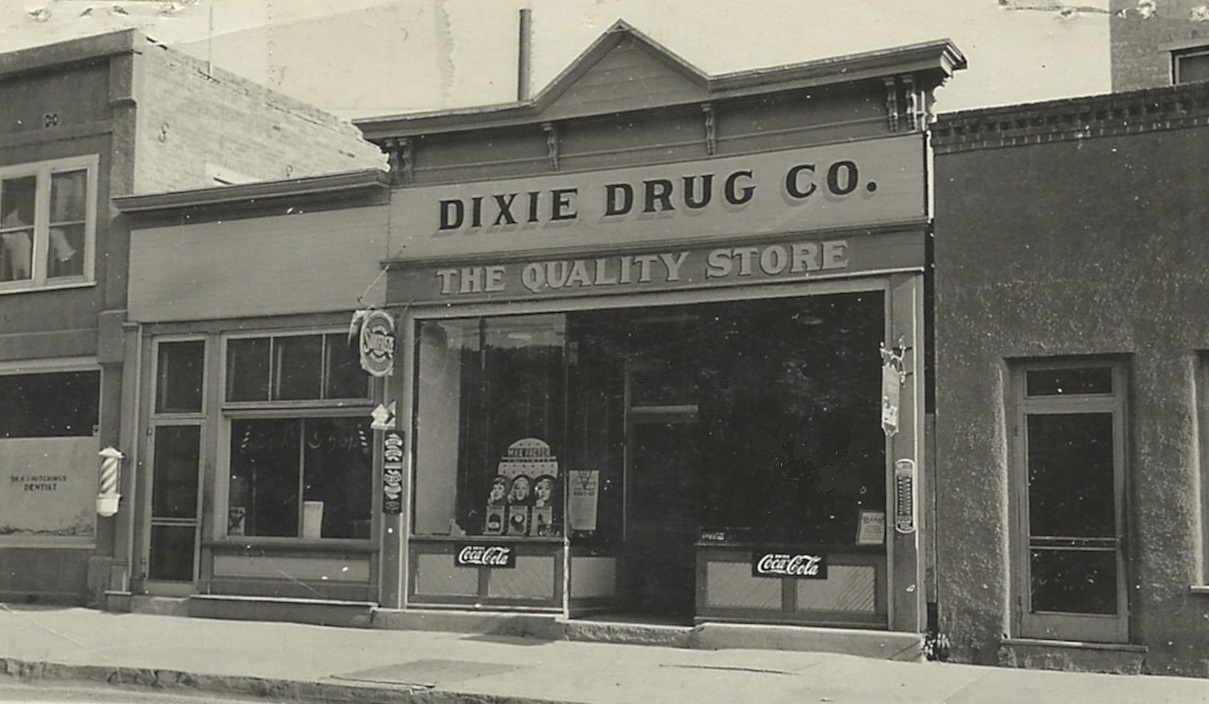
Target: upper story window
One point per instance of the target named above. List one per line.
(47, 223)
(1190, 65)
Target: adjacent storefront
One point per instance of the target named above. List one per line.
(256, 452)
(666, 378)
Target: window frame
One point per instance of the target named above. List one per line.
(1026, 623)
(1177, 53)
(54, 366)
(43, 171)
(1201, 382)
(228, 411)
(157, 419)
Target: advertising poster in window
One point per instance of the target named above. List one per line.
(524, 493)
(48, 487)
(585, 488)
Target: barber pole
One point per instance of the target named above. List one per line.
(107, 500)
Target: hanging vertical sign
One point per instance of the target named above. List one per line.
(893, 376)
(392, 472)
(377, 342)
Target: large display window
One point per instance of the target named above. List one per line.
(300, 446)
(759, 418)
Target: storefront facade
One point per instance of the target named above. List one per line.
(82, 121)
(662, 343)
(255, 453)
(1070, 385)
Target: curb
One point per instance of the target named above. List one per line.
(162, 680)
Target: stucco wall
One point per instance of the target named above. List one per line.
(1084, 247)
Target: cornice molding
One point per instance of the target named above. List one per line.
(1108, 115)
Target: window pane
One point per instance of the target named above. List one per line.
(16, 255)
(177, 463)
(345, 378)
(1070, 581)
(1071, 475)
(248, 369)
(61, 404)
(17, 199)
(1064, 382)
(263, 499)
(448, 354)
(68, 193)
(1191, 68)
(65, 253)
(171, 553)
(337, 475)
(179, 384)
(299, 363)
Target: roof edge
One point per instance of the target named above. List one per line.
(71, 51)
(941, 56)
(218, 195)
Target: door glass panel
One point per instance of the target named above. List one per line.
(174, 488)
(179, 385)
(1070, 475)
(1065, 382)
(171, 553)
(1074, 581)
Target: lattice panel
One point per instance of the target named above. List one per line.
(437, 575)
(532, 578)
(731, 585)
(847, 588)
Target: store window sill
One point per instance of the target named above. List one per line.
(1202, 589)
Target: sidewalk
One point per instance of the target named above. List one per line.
(298, 663)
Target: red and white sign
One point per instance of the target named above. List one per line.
(472, 555)
(799, 565)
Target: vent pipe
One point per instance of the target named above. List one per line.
(524, 42)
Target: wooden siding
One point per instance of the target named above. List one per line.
(304, 263)
(627, 78)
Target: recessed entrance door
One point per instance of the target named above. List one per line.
(662, 516)
(1070, 560)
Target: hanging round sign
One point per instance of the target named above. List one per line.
(378, 343)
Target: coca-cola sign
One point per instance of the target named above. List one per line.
(781, 564)
(480, 555)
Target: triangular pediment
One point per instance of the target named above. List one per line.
(623, 70)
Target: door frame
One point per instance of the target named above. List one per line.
(150, 421)
(1056, 625)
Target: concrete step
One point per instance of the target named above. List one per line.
(319, 612)
(883, 645)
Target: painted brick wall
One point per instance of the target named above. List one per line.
(1140, 45)
(192, 119)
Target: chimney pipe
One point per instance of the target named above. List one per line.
(523, 50)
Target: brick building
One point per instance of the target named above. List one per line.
(1158, 43)
(80, 122)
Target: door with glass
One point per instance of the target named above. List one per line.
(177, 422)
(1069, 487)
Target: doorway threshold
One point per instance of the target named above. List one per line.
(632, 629)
